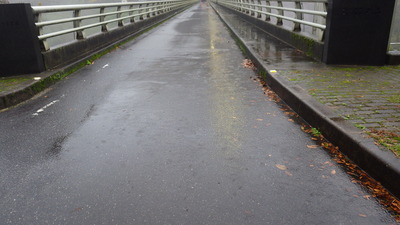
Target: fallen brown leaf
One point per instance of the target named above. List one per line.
(247, 63)
(281, 167)
(288, 173)
(312, 146)
(368, 197)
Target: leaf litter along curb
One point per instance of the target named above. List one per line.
(376, 190)
(247, 63)
(386, 139)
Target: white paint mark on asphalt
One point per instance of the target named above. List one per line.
(106, 65)
(44, 107)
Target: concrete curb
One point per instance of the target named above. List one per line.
(380, 165)
(49, 78)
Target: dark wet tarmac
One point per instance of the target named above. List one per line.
(169, 129)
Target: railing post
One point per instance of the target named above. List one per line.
(131, 13)
(104, 27)
(44, 45)
(79, 34)
(259, 15)
(20, 48)
(140, 12)
(120, 22)
(252, 7)
(244, 6)
(168, 6)
(163, 7)
(155, 9)
(268, 17)
(299, 16)
(358, 31)
(240, 2)
(279, 21)
(148, 10)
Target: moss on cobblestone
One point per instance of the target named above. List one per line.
(368, 97)
(394, 99)
(386, 139)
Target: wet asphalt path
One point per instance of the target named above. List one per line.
(169, 129)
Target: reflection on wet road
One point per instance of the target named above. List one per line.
(226, 109)
(173, 131)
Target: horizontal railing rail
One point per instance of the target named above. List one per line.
(305, 16)
(86, 16)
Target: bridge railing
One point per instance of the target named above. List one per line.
(305, 16)
(82, 20)
(34, 39)
(332, 31)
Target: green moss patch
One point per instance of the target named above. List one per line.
(8, 84)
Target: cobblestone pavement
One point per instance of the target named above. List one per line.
(368, 97)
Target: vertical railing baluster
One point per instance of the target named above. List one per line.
(299, 16)
(148, 10)
(279, 21)
(268, 10)
(77, 23)
(252, 7)
(162, 7)
(154, 9)
(104, 27)
(249, 7)
(140, 12)
(120, 22)
(44, 45)
(259, 15)
(325, 10)
(158, 8)
(131, 13)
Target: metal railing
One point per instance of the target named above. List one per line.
(62, 20)
(305, 16)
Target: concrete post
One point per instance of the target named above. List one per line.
(358, 31)
(20, 49)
